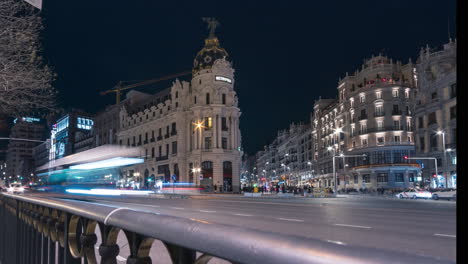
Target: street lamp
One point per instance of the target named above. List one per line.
(334, 170)
(199, 126)
(441, 132)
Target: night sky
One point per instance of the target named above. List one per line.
(285, 55)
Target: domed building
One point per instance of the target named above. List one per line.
(190, 131)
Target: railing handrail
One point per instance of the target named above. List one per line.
(237, 244)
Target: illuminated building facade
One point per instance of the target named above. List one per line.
(189, 125)
(436, 111)
(68, 132)
(20, 160)
(373, 116)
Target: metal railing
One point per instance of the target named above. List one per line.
(39, 230)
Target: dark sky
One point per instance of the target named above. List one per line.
(285, 55)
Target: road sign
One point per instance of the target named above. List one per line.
(201, 177)
(174, 177)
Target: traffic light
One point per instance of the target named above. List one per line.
(405, 157)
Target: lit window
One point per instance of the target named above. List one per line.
(395, 93)
(378, 95)
(362, 98)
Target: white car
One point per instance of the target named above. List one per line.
(414, 194)
(15, 188)
(447, 194)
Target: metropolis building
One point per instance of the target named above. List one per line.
(436, 114)
(190, 131)
(373, 117)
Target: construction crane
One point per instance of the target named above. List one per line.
(120, 86)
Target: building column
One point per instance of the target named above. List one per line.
(215, 132)
(218, 173)
(220, 133)
(235, 176)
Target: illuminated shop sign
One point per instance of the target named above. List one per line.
(84, 123)
(223, 79)
(27, 119)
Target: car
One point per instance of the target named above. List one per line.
(16, 188)
(414, 194)
(447, 194)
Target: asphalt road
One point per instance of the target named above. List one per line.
(420, 227)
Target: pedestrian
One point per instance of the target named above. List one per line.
(215, 188)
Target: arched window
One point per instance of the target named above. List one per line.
(224, 98)
(207, 98)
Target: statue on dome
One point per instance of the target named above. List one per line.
(212, 25)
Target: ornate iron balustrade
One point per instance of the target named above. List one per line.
(39, 230)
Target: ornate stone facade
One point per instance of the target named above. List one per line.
(188, 125)
(436, 111)
(372, 116)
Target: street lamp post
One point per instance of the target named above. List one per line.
(199, 126)
(441, 132)
(334, 170)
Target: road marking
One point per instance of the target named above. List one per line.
(337, 242)
(365, 227)
(243, 215)
(178, 208)
(290, 219)
(445, 235)
(201, 221)
(207, 211)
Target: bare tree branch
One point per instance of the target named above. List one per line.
(25, 80)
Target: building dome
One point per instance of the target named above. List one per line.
(209, 54)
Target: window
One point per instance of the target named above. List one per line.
(351, 102)
(434, 95)
(207, 142)
(453, 90)
(396, 138)
(152, 152)
(366, 178)
(224, 99)
(396, 110)
(379, 124)
(411, 177)
(207, 98)
(378, 95)
(399, 177)
(195, 99)
(174, 147)
(395, 93)
(433, 143)
(432, 118)
(420, 122)
(396, 124)
(354, 144)
(406, 93)
(422, 143)
(224, 124)
(355, 179)
(363, 128)
(453, 112)
(364, 141)
(380, 140)
(382, 177)
(362, 99)
(173, 128)
(353, 131)
(176, 95)
(379, 110)
(224, 143)
(409, 139)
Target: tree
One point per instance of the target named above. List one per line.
(25, 80)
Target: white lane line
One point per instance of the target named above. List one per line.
(337, 242)
(290, 219)
(178, 208)
(445, 235)
(119, 258)
(207, 211)
(242, 214)
(356, 226)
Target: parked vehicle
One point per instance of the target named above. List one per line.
(448, 194)
(414, 194)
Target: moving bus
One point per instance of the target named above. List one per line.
(95, 168)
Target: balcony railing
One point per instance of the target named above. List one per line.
(362, 117)
(159, 138)
(396, 112)
(377, 114)
(162, 158)
(152, 140)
